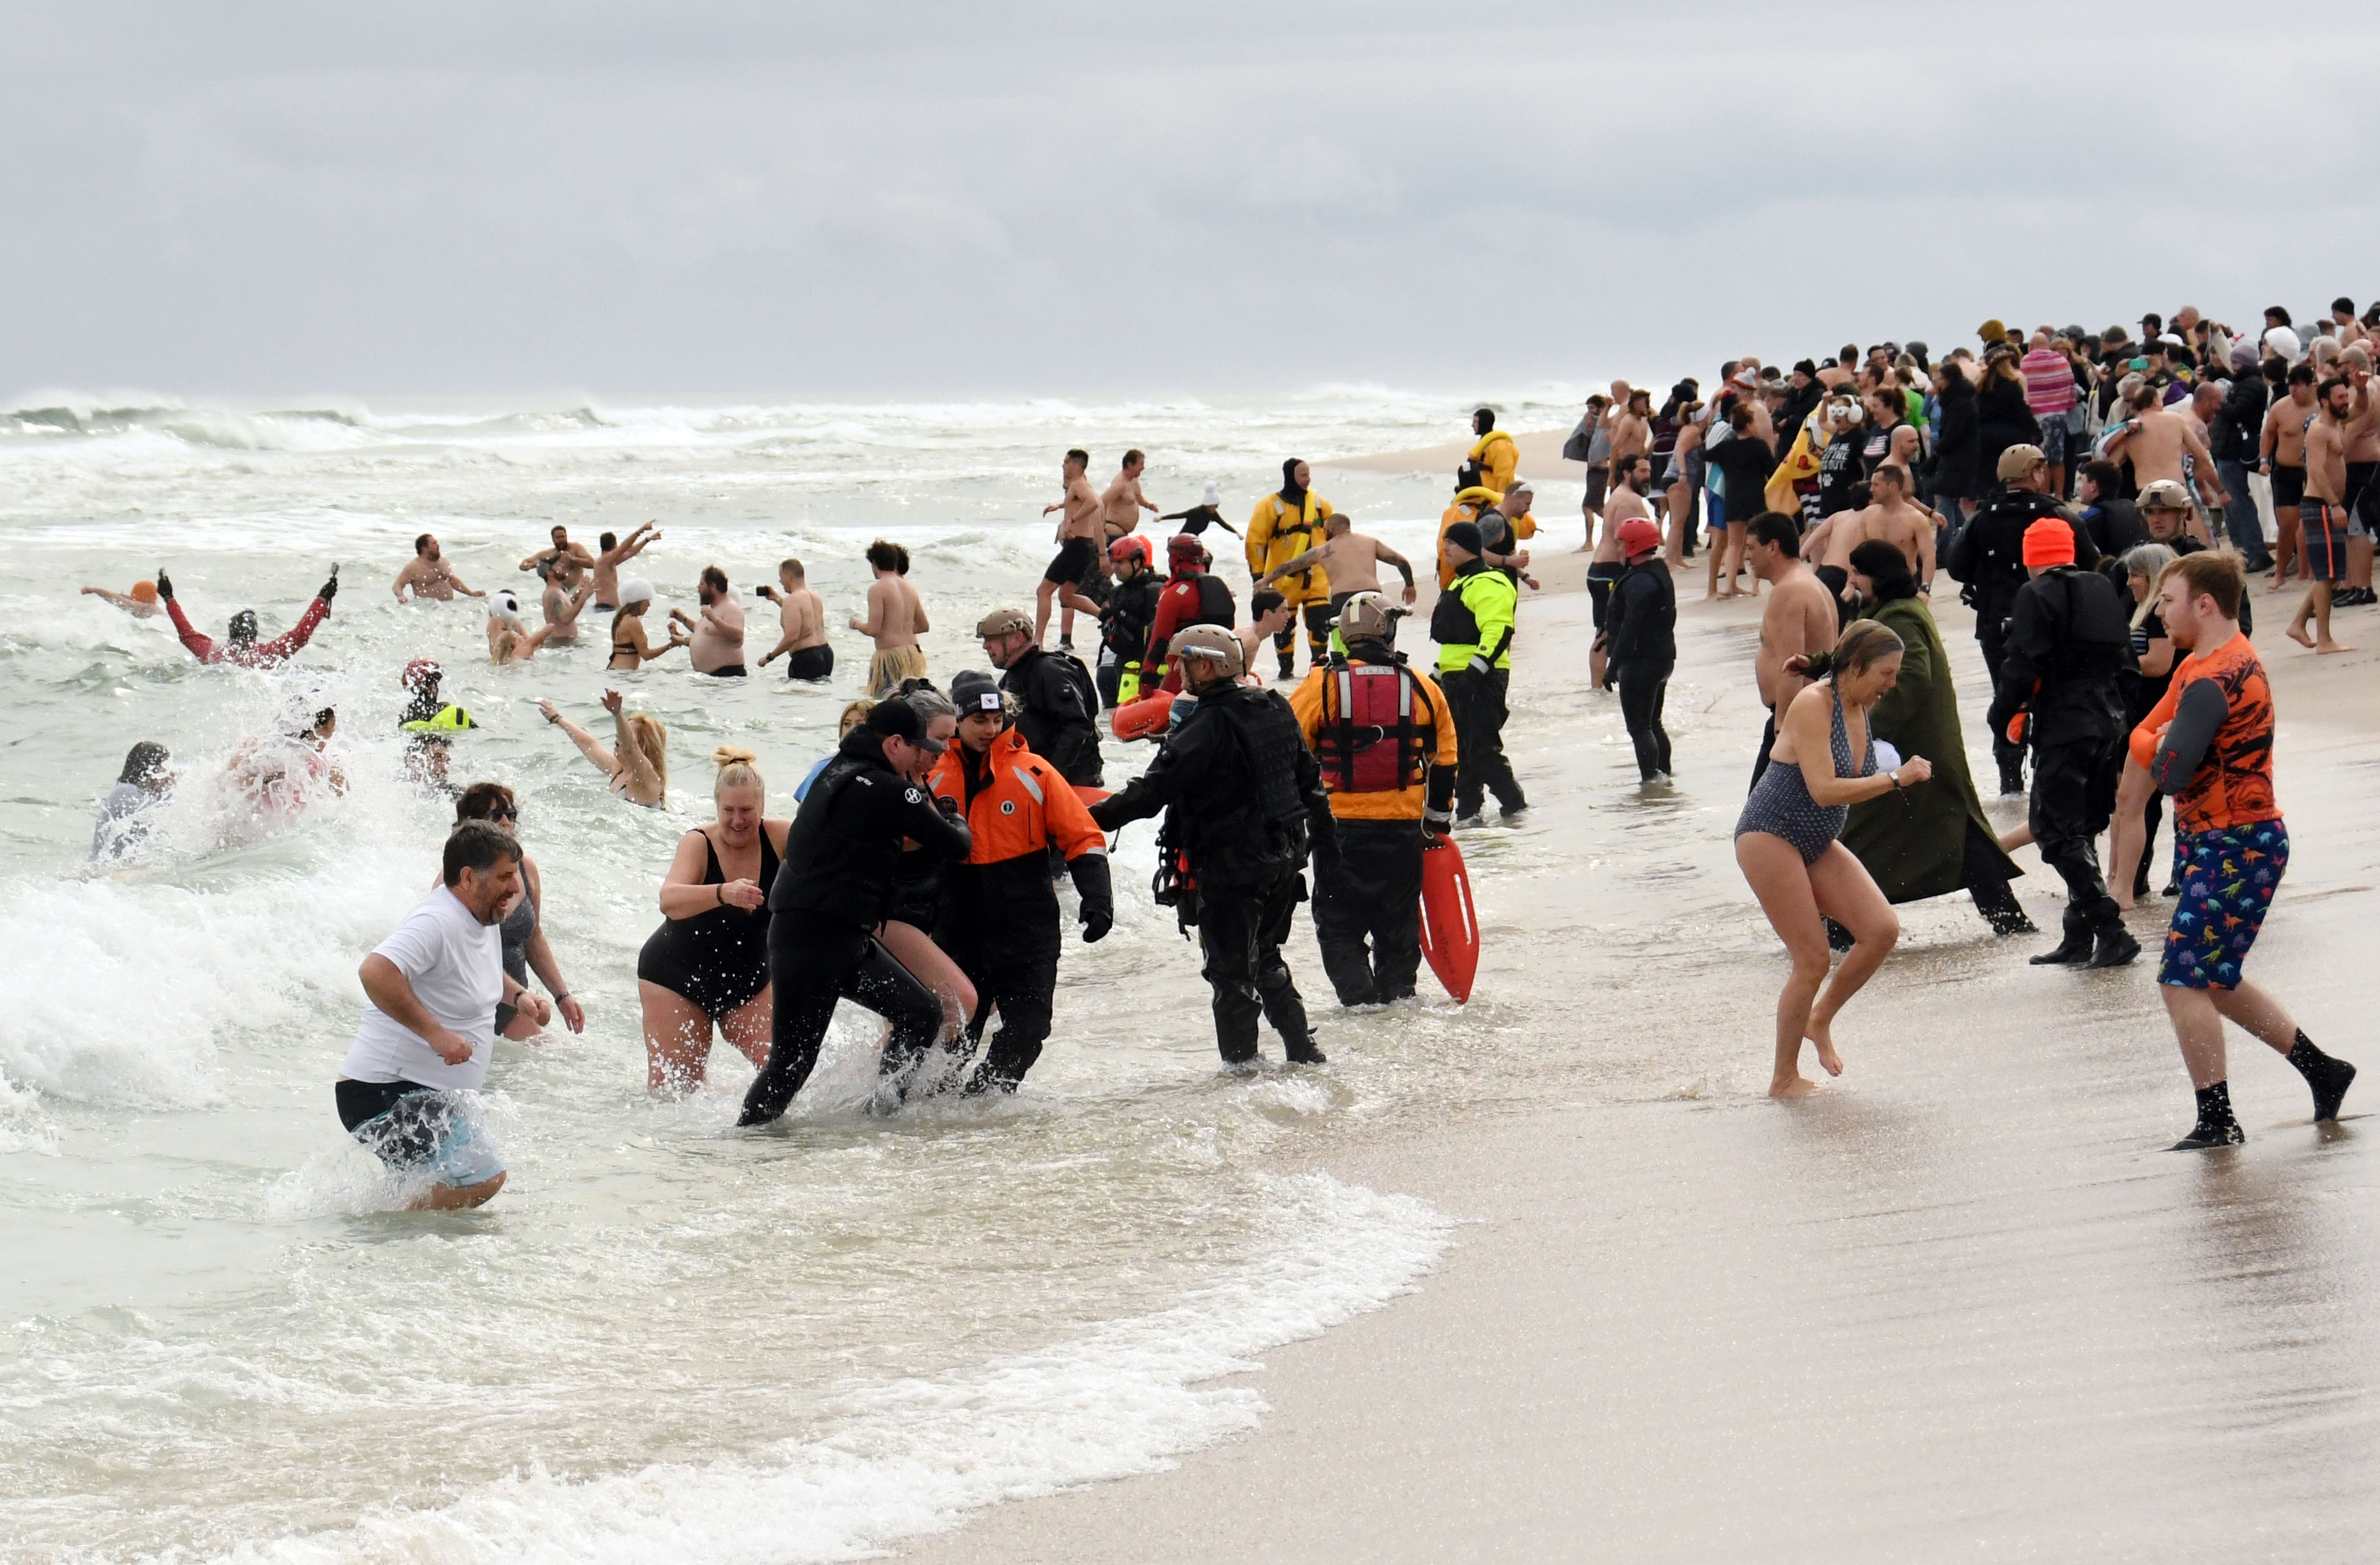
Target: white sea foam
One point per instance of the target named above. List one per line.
(895, 1460)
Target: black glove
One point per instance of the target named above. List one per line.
(330, 587)
(1098, 919)
(947, 804)
(164, 584)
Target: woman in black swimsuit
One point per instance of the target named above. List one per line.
(1785, 842)
(628, 638)
(708, 961)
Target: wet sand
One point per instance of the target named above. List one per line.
(1960, 1304)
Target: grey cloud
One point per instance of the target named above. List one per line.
(1076, 197)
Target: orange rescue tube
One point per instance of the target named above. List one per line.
(1144, 719)
(1449, 924)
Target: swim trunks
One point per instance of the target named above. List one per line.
(2358, 501)
(2228, 876)
(1600, 579)
(2288, 486)
(1598, 483)
(416, 1129)
(2326, 541)
(1075, 557)
(888, 668)
(809, 663)
(730, 671)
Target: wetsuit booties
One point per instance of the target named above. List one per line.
(2215, 1126)
(2327, 1076)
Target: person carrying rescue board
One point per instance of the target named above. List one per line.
(1385, 740)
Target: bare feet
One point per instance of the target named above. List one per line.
(2326, 648)
(2297, 633)
(1822, 1038)
(1792, 1086)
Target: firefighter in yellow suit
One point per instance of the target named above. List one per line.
(1283, 526)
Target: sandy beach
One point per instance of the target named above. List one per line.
(1960, 1304)
(1541, 459)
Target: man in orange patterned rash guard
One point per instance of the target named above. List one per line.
(2209, 744)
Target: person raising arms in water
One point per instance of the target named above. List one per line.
(510, 640)
(239, 644)
(638, 764)
(707, 964)
(1787, 842)
(617, 552)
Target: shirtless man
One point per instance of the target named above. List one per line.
(2323, 513)
(1800, 618)
(1891, 518)
(563, 562)
(896, 615)
(1078, 532)
(1269, 615)
(2362, 502)
(428, 575)
(1121, 506)
(802, 614)
(1629, 477)
(616, 554)
(1352, 560)
(715, 637)
(2157, 441)
(2282, 448)
(1631, 427)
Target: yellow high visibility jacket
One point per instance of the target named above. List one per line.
(1278, 534)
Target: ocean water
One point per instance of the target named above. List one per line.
(666, 1339)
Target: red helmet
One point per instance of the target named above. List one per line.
(1130, 549)
(421, 671)
(1638, 536)
(1185, 546)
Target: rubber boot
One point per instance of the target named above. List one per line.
(2113, 948)
(2011, 777)
(2075, 948)
(1307, 1054)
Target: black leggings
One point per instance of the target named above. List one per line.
(813, 964)
(1643, 687)
(1318, 618)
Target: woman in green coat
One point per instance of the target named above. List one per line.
(1926, 842)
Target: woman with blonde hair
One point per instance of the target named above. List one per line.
(1788, 841)
(707, 964)
(628, 638)
(510, 640)
(638, 765)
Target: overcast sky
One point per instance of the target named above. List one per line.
(513, 197)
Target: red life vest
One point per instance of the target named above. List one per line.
(1368, 742)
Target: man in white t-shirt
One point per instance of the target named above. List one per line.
(422, 1049)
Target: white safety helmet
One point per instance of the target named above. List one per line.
(504, 605)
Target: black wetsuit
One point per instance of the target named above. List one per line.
(838, 883)
(719, 958)
(2069, 646)
(1059, 707)
(1243, 796)
(1988, 554)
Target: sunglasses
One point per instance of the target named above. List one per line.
(503, 812)
(932, 750)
